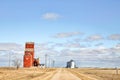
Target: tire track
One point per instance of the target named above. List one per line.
(82, 76)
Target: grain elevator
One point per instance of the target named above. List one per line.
(29, 60)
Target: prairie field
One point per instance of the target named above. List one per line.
(97, 73)
(59, 74)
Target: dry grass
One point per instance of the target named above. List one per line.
(99, 74)
(47, 74)
(25, 73)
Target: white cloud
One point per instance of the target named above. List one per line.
(118, 45)
(69, 34)
(86, 55)
(73, 45)
(93, 54)
(99, 44)
(11, 46)
(94, 38)
(70, 45)
(114, 37)
(78, 40)
(42, 47)
(58, 45)
(51, 16)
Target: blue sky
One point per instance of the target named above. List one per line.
(63, 27)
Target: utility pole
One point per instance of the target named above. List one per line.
(9, 59)
(53, 63)
(116, 70)
(49, 62)
(46, 60)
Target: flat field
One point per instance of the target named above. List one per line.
(59, 74)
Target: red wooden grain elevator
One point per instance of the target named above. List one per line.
(29, 54)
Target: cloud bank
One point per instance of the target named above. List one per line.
(51, 16)
(68, 34)
(114, 37)
(85, 56)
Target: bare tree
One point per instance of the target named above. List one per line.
(17, 62)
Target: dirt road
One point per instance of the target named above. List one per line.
(58, 74)
(63, 74)
(42, 74)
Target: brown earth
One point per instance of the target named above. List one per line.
(58, 74)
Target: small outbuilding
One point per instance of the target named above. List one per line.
(42, 65)
(71, 64)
